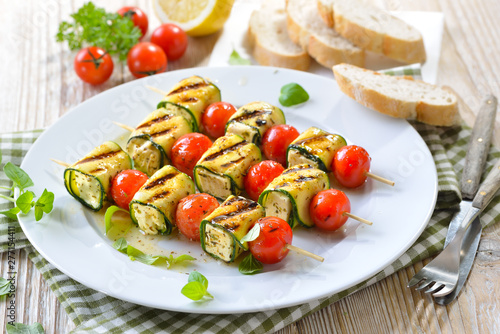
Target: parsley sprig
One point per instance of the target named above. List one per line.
(93, 26)
(27, 199)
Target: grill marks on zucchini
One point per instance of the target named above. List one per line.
(221, 169)
(316, 147)
(89, 179)
(190, 97)
(159, 119)
(153, 206)
(289, 195)
(253, 119)
(222, 230)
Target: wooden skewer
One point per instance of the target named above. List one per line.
(350, 215)
(304, 252)
(125, 126)
(380, 178)
(156, 90)
(62, 163)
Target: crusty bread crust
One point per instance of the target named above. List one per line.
(441, 115)
(269, 57)
(325, 11)
(325, 54)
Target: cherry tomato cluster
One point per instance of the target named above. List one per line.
(168, 42)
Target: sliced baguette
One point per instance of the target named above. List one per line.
(325, 10)
(270, 41)
(400, 97)
(376, 30)
(321, 42)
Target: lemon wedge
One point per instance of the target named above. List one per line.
(195, 17)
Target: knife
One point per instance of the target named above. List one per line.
(474, 165)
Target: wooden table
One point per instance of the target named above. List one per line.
(38, 85)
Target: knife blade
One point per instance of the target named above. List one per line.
(474, 165)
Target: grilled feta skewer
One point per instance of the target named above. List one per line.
(221, 169)
(222, 230)
(150, 143)
(253, 119)
(288, 196)
(153, 206)
(190, 97)
(315, 147)
(89, 179)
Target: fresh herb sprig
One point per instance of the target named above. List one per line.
(196, 288)
(250, 265)
(93, 26)
(236, 59)
(18, 328)
(293, 94)
(26, 200)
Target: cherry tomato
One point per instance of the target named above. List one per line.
(138, 17)
(260, 175)
(276, 140)
(350, 166)
(187, 150)
(270, 245)
(146, 59)
(93, 65)
(124, 186)
(327, 209)
(172, 39)
(215, 117)
(190, 212)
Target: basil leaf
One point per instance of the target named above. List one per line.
(12, 213)
(121, 245)
(109, 214)
(25, 201)
(235, 59)
(4, 286)
(194, 290)
(252, 234)
(44, 204)
(18, 176)
(293, 94)
(250, 265)
(18, 328)
(171, 260)
(135, 254)
(196, 276)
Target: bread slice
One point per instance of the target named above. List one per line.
(269, 37)
(321, 42)
(325, 10)
(400, 97)
(376, 30)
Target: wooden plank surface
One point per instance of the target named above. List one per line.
(38, 85)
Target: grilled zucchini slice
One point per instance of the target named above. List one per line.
(89, 179)
(222, 230)
(222, 168)
(153, 206)
(150, 143)
(253, 119)
(288, 196)
(190, 97)
(315, 147)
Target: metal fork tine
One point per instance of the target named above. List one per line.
(425, 285)
(414, 281)
(444, 292)
(435, 288)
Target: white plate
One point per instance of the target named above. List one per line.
(72, 240)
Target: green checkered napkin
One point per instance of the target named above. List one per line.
(95, 312)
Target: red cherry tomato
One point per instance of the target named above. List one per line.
(187, 150)
(270, 245)
(276, 140)
(138, 17)
(124, 186)
(215, 117)
(190, 212)
(93, 65)
(260, 175)
(350, 166)
(327, 209)
(172, 39)
(146, 59)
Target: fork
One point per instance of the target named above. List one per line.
(440, 276)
